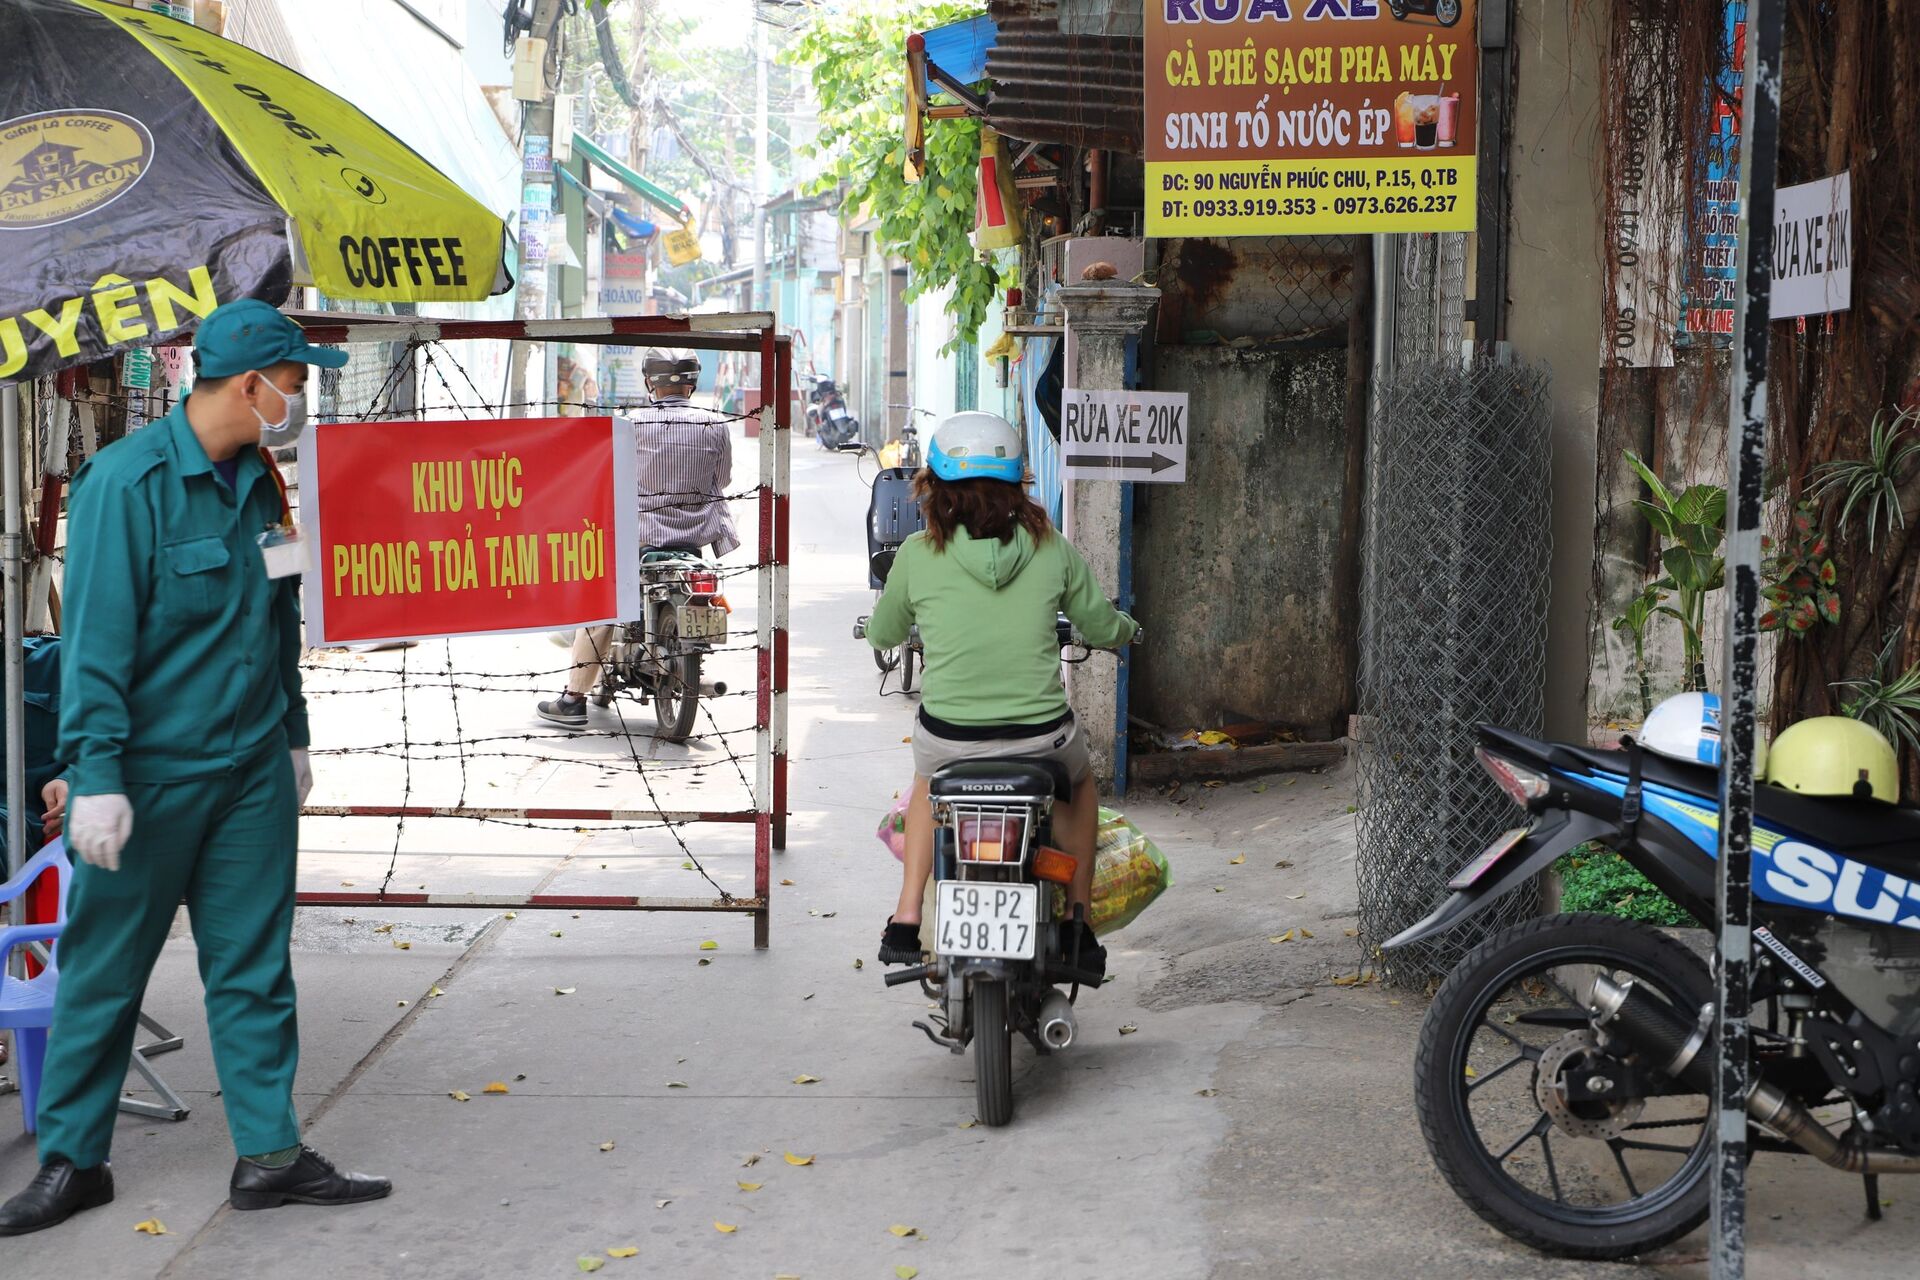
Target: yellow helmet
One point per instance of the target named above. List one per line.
(1835, 756)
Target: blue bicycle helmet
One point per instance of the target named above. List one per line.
(976, 446)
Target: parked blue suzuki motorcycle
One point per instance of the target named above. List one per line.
(1563, 1078)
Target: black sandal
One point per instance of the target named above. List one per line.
(1093, 956)
(900, 944)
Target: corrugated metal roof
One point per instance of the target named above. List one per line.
(1059, 78)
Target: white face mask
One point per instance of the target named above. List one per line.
(293, 418)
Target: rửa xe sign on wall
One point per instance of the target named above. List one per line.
(1306, 117)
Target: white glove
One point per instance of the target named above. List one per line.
(302, 775)
(98, 827)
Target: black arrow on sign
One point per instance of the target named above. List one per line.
(1156, 464)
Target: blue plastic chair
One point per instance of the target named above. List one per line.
(26, 1005)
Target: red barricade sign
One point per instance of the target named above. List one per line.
(427, 529)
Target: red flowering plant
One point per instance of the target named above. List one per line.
(1801, 577)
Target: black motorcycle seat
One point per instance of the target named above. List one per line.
(987, 780)
(1886, 835)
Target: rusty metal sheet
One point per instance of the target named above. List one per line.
(1058, 80)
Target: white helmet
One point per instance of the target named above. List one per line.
(971, 445)
(1687, 727)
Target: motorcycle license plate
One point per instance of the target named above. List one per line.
(701, 622)
(1488, 857)
(999, 921)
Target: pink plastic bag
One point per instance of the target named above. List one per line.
(892, 831)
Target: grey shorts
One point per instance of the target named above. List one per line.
(1064, 743)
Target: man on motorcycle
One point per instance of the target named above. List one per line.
(686, 464)
(985, 582)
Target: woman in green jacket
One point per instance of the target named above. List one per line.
(985, 582)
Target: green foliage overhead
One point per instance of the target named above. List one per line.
(858, 58)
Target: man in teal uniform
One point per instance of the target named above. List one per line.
(185, 733)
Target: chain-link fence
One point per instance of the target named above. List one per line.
(1430, 284)
(1263, 288)
(1454, 636)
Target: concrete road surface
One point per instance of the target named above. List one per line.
(1228, 1112)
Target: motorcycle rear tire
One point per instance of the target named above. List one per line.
(676, 695)
(1440, 1092)
(992, 1053)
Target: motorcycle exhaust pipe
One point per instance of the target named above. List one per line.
(1056, 1021)
(712, 688)
(1663, 1033)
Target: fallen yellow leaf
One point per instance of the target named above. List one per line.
(623, 1251)
(461, 1095)
(749, 1186)
(404, 946)
(383, 928)
(1471, 1073)
(1282, 937)
(498, 1086)
(1296, 896)
(1234, 862)
(1351, 933)
(557, 934)
(798, 1162)
(513, 915)
(588, 1264)
(805, 1079)
(1207, 1093)
(968, 1124)
(564, 991)
(151, 1227)
(661, 1204)
(1305, 932)
(676, 1084)
(401, 1003)
(606, 1146)
(906, 1272)
(725, 1228)
(1128, 1030)
(434, 991)
(709, 945)
(859, 964)
(902, 1230)
(750, 1161)
(786, 882)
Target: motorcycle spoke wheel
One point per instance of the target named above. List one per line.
(886, 659)
(676, 693)
(1503, 1084)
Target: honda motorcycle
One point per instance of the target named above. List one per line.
(999, 955)
(659, 657)
(1564, 1072)
(827, 417)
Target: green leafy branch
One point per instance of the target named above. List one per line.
(858, 60)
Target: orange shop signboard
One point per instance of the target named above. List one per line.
(426, 529)
(1309, 117)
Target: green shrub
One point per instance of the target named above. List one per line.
(1595, 878)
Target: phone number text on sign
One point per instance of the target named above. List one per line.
(1303, 117)
(1310, 197)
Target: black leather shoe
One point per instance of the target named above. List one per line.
(900, 944)
(310, 1179)
(56, 1193)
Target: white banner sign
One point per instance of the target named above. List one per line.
(1124, 435)
(1813, 248)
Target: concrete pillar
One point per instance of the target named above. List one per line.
(1100, 319)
